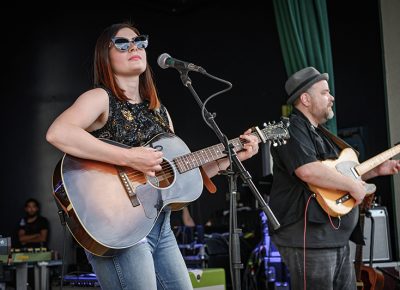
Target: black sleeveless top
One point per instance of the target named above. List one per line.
(132, 124)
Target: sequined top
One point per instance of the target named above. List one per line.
(132, 124)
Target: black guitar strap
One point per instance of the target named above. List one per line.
(338, 141)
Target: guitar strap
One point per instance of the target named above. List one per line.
(208, 182)
(338, 141)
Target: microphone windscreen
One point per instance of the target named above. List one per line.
(161, 60)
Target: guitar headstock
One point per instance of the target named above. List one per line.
(277, 133)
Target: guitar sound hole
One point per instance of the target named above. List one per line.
(164, 178)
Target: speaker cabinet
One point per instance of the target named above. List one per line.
(381, 239)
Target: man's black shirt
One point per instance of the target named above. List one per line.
(289, 194)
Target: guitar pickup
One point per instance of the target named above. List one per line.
(343, 199)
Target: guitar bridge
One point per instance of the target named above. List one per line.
(128, 188)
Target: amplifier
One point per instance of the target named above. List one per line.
(381, 249)
(21, 257)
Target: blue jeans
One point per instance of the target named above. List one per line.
(327, 269)
(154, 263)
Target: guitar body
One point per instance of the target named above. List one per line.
(372, 279)
(103, 216)
(336, 202)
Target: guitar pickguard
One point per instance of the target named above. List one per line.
(346, 168)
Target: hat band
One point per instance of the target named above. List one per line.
(303, 84)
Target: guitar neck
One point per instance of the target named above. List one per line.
(377, 160)
(278, 133)
(198, 158)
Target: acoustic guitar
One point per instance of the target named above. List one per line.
(367, 277)
(110, 208)
(336, 202)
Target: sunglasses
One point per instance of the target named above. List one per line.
(123, 44)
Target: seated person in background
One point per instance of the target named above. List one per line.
(33, 228)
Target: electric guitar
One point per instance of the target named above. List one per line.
(338, 203)
(109, 208)
(367, 277)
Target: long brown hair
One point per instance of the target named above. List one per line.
(104, 75)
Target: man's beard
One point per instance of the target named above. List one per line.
(330, 115)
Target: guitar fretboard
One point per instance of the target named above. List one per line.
(276, 132)
(196, 159)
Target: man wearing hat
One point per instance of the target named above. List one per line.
(319, 242)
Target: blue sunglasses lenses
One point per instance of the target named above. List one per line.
(123, 44)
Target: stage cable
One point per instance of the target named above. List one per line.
(304, 238)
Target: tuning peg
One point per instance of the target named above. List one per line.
(265, 124)
(284, 142)
(274, 144)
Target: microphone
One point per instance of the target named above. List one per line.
(166, 61)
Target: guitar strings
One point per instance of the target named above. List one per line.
(167, 171)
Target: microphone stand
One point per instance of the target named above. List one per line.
(234, 232)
